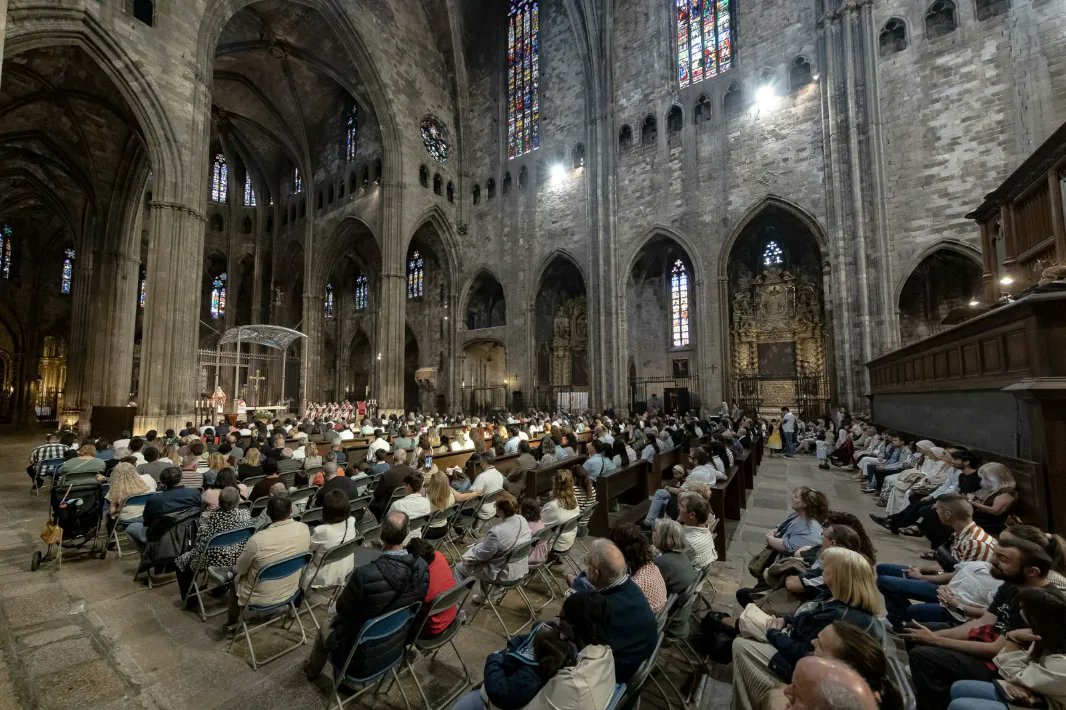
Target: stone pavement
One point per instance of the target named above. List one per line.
(88, 635)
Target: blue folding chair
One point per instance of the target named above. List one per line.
(457, 596)
(49, 468)
(282, 569)
(219, 541)
(121, 525)
(393, 626)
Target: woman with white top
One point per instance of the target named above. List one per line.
(338, 527)
(562, 508)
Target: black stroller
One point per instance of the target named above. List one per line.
(77, 508)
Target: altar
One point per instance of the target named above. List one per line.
(250, 391)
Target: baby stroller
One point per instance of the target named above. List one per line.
(77, 509)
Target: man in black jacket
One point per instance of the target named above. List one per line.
(392, 581)
(171, 497)
(390, 481)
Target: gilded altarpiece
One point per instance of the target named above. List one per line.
(569, 346)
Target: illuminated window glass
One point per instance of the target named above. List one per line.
(679, 304)
(704, 39)
(142, 290)
(772, 254)
(415, 275)
(218, 296)
(218, 178)
(328, 301)
(7, 246)
(297, 182)
(435, 139)
(349, 136)
(68, 271)
(523, 78)
(362, 291)
(249, 192)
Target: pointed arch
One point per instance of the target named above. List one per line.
(949, 245)
(484, 303)
(771, 202)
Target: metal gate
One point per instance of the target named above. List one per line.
(483, 400)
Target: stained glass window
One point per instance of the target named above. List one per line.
(362, 290)
(7, 246)
(297, 182)
(679, 304)
(704, 39)
(68, 271)
(142, 292)
(349, 136)
(523, 78)
(328, 301)
(218, 296)
(772, 254)
(249, 192)
(415, 275)
(218, 178)
(435, 138)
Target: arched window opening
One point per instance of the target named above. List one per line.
(679, 279)
(772, 254)
(327, 301)
(297, 182)
(523, 77)
(416, 275)
(475, 193)
(7, 250)
(674, 120)
(218, 296)
(349, 136)
(318, 199)
(340, 190)
(329, 195)
(577, 157)
(523, 177)
(217, 223)
(893, 37)
(249, 192)
(246, 226)
(423, 176)
(987, 9)
(68, 271)
(507, 183)
(362, 291)
(734, 100)
(377, 172)
(702, 112)
(704, 39)
(450, 191)
(437, 184)
(649, 131)
(490, 188)
(366, 177)
(625, 138)
(144, 11)
(142, 288)
(941, 19)
(218, 178)
(799, 74)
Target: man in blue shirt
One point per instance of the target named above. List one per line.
(599, 462)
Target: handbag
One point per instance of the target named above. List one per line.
(761, 561)
(52, 533)
(777, 572)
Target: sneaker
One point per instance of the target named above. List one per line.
(230, 630)
(881, 504)
(883, 521)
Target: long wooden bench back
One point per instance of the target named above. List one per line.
(627, 484)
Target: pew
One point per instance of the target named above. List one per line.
(662, 468)
(539, 480)
(583, 437)
(727, 499)
(628, 483)
(745, 460)
(504, 464)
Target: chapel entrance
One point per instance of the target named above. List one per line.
(778, 333)
(561, 335)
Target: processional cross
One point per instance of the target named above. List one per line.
(256, 380)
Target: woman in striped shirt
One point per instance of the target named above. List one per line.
(584, 491)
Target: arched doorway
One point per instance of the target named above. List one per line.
(560, 329)
(430, 304)
(938, 293)
(485, 303)
(485, 378)
(660, 336)
(778, 333)
(359, 359)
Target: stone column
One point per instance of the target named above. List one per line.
(3, 29)
(109, 357)
(392, 304)
(76, 400)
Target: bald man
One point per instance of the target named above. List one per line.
(632, 632)
(828, 684)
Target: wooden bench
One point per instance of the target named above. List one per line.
(662, 468)
(539, 480)
(727, 500)
(628, 484)
(745, 460)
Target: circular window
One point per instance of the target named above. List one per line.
(435, 138)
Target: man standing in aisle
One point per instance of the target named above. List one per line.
(788, 432)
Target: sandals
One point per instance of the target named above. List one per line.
(912, 532)
(931, 556)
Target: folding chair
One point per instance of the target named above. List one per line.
(358, 507)
(485, 500)
(244, 505)
(395, 496)
(517, 554)
(418, 523)
(288, 478)
(371, 535)
(259, 505)
(583, 526)
(121, 525)
(461, 524)
(549, 536)
(457, 596)
(631, 694)
(221, 540)
(306, 496)
(393, 626)
(445, 514)
(341, 551)
(46, 467)
(668, 633)
(311, 517)
(252, 480)
(281, 569)
(567, 527)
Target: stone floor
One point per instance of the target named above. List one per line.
(88, 635)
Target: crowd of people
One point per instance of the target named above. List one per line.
(973, 618)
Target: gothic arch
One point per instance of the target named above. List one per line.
(805, 216)
(341, 243)
(949, 245)
(549, 260)
(484, 285)
(661, 231)
(938, 290)
(441, 227)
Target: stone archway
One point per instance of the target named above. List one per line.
(938, 293)
(360, 356)
(560, 334)
(486, 306)
(778, 335)
(485, 377)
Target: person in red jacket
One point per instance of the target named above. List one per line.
(440, 580)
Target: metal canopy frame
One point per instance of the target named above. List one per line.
(270, 336)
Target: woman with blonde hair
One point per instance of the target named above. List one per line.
(783, 641)
(125, 482)
(562, 508)
(312, 459)
(251, 465)
(215, 463)
(171, 454)
(441, 497)
(992, 503)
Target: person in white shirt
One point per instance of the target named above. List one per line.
(694, 514)
(788, 432)
(300, 453)
(413, 503)
(346, 434)
(368, 428)
(378, 443)
(603, 435)
(337, 527)
(702, 472)
(487, 482)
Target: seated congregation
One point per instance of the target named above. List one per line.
(392, 539)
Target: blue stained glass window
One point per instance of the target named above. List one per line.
(415, 275)
(218, 296)
(328, 301)
(249, 192)
(142, 292)
(523, 77)
(7, 246)
(68, 271)
(772, 255)
(704, 39)
(362, 291)
(679, 304)
(349, 136)
(435, 139)
(219, 175)
(297, 182)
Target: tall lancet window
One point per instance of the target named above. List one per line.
(415, 275)
(362, 291)
(7, 247)
(523, 77)
(328, 301)
(679, 304)
(219, 175)
(297, 182)
(142, 289)
(68, 271)
(349, 136)
(704, 39)
(218, 296)
(249, 192)
(772, 255)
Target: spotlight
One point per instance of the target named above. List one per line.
(974, 303)
(765, 98)
(1006, 281)
(558, 172)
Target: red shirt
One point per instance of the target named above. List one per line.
(440, 580)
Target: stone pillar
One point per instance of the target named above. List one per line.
(387, 387)
(109, 357)
(3, 30)
(76, 400)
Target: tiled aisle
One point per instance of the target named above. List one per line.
(89, 636)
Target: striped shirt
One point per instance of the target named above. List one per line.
(972, 544)
(48, 452)
(584, 500)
